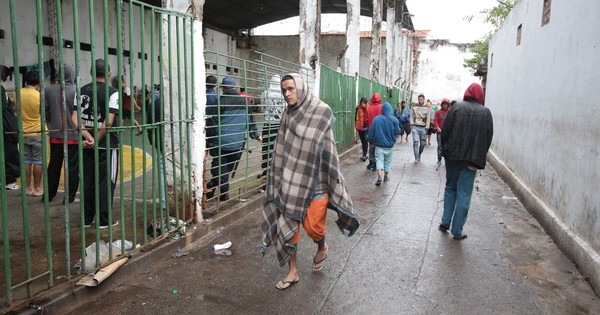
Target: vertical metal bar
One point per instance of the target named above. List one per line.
(131, 136)
(77, 47)
(66, 115)
(108, 133)
(5, 231)
(39, 30)
(155, 130)
(170, 62)
(180, 112)
(119, 15)
(187, 114)
(91, 15)
(163, 212)
(143, 105)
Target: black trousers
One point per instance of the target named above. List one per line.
(362, 134)
(55, 167)
(108, 160)
(11, 161)
(269, 134)
(223, 163)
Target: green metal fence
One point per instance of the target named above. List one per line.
(339, 92)
(45, 242)
(236, 164)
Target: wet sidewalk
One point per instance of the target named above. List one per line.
(398, 262)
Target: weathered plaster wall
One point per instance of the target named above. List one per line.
(541, 94)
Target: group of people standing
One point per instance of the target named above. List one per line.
(98, 107)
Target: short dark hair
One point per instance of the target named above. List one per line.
(403, 102)
(32, 78)
(287, 77)
(211, 81)
(421, 95)
(100, 68)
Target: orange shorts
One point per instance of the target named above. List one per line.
(315, 220)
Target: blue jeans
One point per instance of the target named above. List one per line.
(457, 195)
(383, 158)
(418, 136)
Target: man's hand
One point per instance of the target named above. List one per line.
(259, 139)
(88, 140)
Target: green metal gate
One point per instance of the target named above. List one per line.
(44, 242)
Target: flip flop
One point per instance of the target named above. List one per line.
(284, 284)
(318, 265)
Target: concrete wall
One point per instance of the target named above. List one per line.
(27, 44)
(541, 94)
(440, 72)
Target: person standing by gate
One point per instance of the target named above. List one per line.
(32, 125)
(108, 153)
(11, 140)
(466, 138)
(305, 179)
(233, 120)
(58, 117)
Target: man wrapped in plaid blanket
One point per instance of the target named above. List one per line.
(305, 180)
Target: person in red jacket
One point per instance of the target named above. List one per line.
(373, 111)
(438, 123)
(361, 124)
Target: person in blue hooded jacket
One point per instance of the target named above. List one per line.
(383, 133)
(233, 118)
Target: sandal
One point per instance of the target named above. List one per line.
(319, 264)
(284, 284)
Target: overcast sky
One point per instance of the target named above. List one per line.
(445, 19)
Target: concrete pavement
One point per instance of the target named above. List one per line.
(398, 262)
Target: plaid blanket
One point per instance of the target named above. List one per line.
(305, 164)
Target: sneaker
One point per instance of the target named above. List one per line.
(363, 158)
(443, 227)
(102, 227)
(87, 225)
(13, 186)
(224, 197)
(263, 174)
(378, 182)
(386, 178)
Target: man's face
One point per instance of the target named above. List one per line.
(421, 100)
(290, 94)
(445, 105)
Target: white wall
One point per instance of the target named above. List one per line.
(542, 96)
(440, 72)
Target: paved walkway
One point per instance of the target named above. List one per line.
(397, 263)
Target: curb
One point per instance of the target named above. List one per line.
(579, 251)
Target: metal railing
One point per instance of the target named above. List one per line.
(45, 242)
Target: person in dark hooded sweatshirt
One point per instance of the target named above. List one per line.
(60, 127)
(466, 138)
(373, 110)
(383, 134)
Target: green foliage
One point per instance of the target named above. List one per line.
(494, 16)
